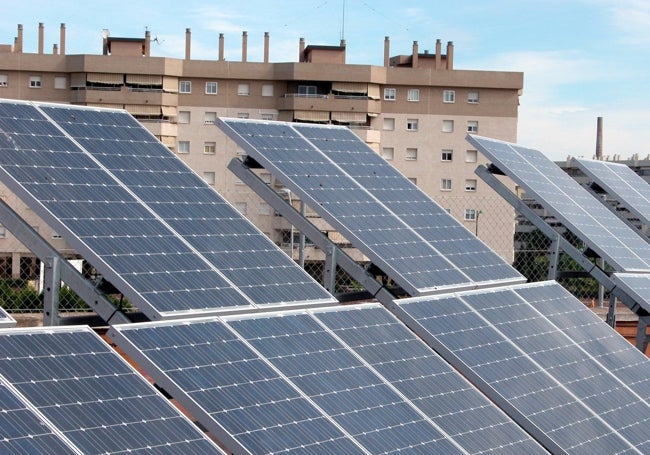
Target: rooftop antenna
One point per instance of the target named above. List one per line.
(343, 22)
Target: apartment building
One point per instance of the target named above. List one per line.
(415, 111)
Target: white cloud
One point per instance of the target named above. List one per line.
(632, 20)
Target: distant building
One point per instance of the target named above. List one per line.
(415, 111)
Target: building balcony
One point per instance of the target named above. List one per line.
(328, 103)
(124, 95)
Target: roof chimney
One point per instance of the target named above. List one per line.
(41, 29)
(62, 39)
(147, 43)
(599, 138)
(18, 46)
(266, 47)
(188, 43)
(450, 55)
(221, 39)
(414, 60)
(301, 50)
(386, 51)
(55, 49)
(438, 54)
(244, 46)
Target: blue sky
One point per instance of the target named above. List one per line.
(581, 59)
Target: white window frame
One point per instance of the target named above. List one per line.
(209, 118)
(470, 215)
(447, 126)
(388, 153)
(388, 124)
(411, 154)
(243, 89)
(184, 117)
(267, 116)
(413, 95)
(412, 124)
(211, 88)
(449, 96)
(209, 148)
(473, 97)
(390, 94)
(445, 185)
(242, 207)
(35, 82)
(183, 147)
(4, 80)
(472, 126)
(209, 177)
(243, 115)
(184, 86)
(470, 185)
(447, 155)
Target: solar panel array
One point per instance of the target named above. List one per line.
(547, 359)
(6, 320)
(575, 207)
(621, 183)
(339, 380)
(147, 222)
(389, 219)
(66, 391)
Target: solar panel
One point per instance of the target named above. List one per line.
(338, 380)
(578, 210)
(395, 235)
(622, 183)
(535, 370)
(91, 396)
(163, 237)
(6, 320)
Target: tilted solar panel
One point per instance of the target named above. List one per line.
(92, 397)
(578, 210)
(399, 241)
(6, 320)
(315, 381)
(621, 183)
(165, 239)
(574, 390)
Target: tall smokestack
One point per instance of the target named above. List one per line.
(244, 46)
(438, 54)
(450, 55)
(221, 46)
(301, 50)
(41, 33)
(147, 43)
(386, 51)
(62, 39)
(416, 53)
(599, 138)
(19, 39)
(188, 43)
(266, 47)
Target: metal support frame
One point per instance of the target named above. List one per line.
(560, 242)
(58, 269)
(334, 256)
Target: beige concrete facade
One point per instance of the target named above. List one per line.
(415, 110)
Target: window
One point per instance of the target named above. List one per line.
(211, 88)
(4, 80)
(266, 177)
(265, 209)
(472, 97)
(471, 156)
(241, 207)
(411, 154)
(56, 236)
(390, 94)
(60, 83)
(209, 177)
(413, 94)
(266, 116)
(447, 126)
(470, 185)
(387, 153)
(209, 148)
(412, 124)
(35, 82)
(470, 215)
(243, 89)
(389, 124)
(184, 116)
(185, 87)
(210, 118)
(243, 115)
(449, 96)
(472, 126)
(3, 232)
(307, 90)
(447, 155)
(267, 90)
(413, 180)
(183, 147)
(445, 184)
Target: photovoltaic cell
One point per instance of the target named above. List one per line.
(346, 378)
(395, 238)
(6, 320)
(621, 183)
(574, 390)
(93, 397)
(139, 215)
(578, 210)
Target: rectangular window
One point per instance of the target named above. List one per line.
(307, 90)
(209, 177)
(445, 184)
(390, 94)
(470, 185)
(411, 154)
(267, 90)
(413, 94)
(470, 215)
(35, 82)
(449, 96)
(472, 97)
(209, 148)
(412, 124)
(471, 156)
(56, 236)
(3, 232)
(4, 80)
(211, 88)
(243, 89)
(243, 115)
(183, 147)
(447, 155)
(266, 177)
(266, 116)
(241, 207)
(185, 87)
(388, 153)
(210, 118)
(447, 126)
(60, 83)
(389, 124)
(183, 116)
(265, 209)
(472, 126)
(413, 180)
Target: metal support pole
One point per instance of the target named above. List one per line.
(329, 274)
(301, 239)
(610, 319)
(641, 333)
(554, 257)
(51, 286)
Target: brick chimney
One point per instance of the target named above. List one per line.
(244, 46)
(188, 43)
(301, 50)
(18, 45)
(266, 47)
(62, 39)
(41, 33)
(221, 46)
(386, 51)
(450, 55)
(414, 59)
